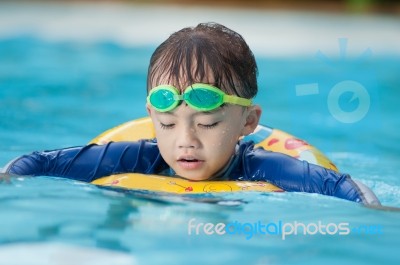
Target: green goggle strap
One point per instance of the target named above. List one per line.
(185, 96)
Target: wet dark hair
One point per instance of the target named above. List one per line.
(190, 54)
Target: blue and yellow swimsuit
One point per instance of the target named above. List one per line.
(88, 163)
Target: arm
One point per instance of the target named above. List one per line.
(89, 162)
(292, 174)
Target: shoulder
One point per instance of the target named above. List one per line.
(148, 145)
(126, 154)
(292, 174)
(259, 163)
(86, 162)
(280, 169)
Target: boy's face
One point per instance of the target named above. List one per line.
(196, 145)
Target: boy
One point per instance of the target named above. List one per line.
(200, 84)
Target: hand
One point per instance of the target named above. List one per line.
(5, 178)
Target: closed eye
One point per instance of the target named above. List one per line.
(166, 126)
(209, 126)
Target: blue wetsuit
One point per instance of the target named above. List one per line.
(93, 161)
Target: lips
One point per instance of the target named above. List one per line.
(189, 162)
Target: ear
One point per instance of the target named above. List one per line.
(148, 109)
(252, 119)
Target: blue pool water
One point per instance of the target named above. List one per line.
(57, 94)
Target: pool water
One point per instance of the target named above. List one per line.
(56, 94)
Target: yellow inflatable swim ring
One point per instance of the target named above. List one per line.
(268, 138)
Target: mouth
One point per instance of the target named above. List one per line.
(189, 162)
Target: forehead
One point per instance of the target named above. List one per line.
(185, 109)
(182, 78)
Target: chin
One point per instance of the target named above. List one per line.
(193, 177)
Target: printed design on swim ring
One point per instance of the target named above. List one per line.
(266, 137)
(179, 185)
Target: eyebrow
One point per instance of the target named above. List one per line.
(199, 112)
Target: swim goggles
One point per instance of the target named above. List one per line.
(201, 97)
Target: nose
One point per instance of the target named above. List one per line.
(187, 138)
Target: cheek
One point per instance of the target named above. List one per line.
(234, 125)
(231, 132)
(163, 141)
(165, 150)
(222, 139)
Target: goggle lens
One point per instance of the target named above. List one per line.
(202, 98)
(162, 99)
